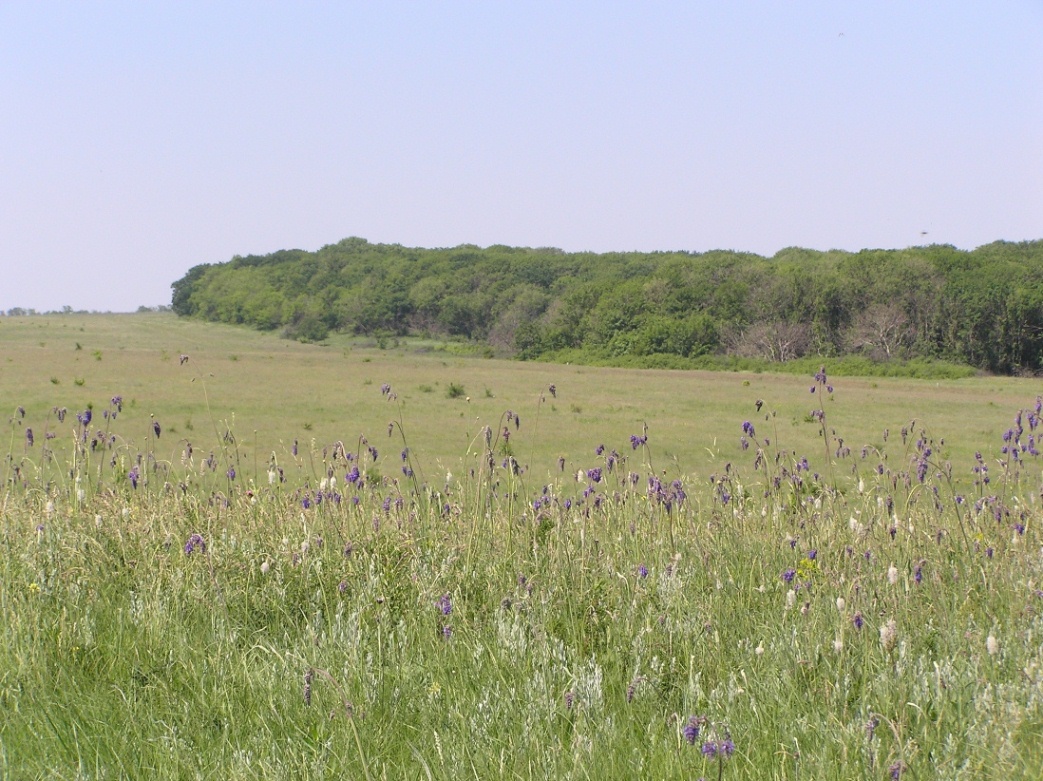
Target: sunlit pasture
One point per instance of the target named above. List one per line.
(228, 555)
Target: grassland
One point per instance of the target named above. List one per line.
(531, 608)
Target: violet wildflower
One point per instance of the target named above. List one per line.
(858, 620)
(642, 571)
(133, 476)
(897, 769)
(553, 391)
(788, 575)
(692, 727)
(632, 688)
(231, 473)
(195, 542)
(156, 428)
(445, 604)
(747, 429)
(29, 437)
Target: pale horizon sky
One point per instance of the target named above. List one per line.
(140, 139)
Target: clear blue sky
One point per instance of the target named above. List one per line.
(139, 139)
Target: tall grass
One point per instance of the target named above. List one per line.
(352, 608)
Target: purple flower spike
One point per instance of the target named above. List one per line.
(194, 543)
(691, 729)
(445, 604)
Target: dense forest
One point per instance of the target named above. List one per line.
(982, 307)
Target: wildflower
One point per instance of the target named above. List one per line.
(791, 599)
(788, 575)
(747, 429)
(632, 688)
(992, 645)
(642, 571)
(265, 566)
(231, 473)
(553, 391)
(892, 574)
(29, 437)
(858, 620)
(889, 635)
(156, 428)
(133, 476)
(897, 769)
(841, 604)
(445, 604)
(195, 542)
(692, 727)
(718, 748)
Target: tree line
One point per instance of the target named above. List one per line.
(982, 307)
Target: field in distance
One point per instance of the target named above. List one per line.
(269, 392)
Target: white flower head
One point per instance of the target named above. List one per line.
(992, 645)
(892, 574)
(889, 635)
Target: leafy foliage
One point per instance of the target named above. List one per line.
(983, 308)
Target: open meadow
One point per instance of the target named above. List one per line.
(228, 555)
